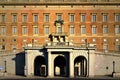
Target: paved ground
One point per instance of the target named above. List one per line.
(14, 77)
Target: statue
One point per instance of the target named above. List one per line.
(58, 21)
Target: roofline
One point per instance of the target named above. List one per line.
(62, 3)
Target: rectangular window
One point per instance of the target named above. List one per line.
(3, 47)
(117, 47)
(35, 28)
(59, 16)
(3, 30)
(46, 30)
(35, 17)
(94, 29)
(71, 29)
(93, 17)
(105, 30)
(83, 29)
(59, 30)
(25, 30)
(24, 17)
(14, 47)
(14, 18)
(14, 30)
(71, 17)
(105, 47)
(46, 18)
(117, 17)
(105, 17)
(117, 29)
(3, 18)
(83, 17)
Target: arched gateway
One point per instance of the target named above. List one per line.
(60, 66)
(80, 66)
(40, 66)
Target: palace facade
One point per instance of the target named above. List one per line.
(61, 37)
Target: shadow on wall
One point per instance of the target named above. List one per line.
(19, 63)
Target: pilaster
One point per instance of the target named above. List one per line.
(71, 65)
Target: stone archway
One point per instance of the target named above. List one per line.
(80, 66)
(60, 68)
(40, 66)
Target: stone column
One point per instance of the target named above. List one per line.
(71, 64)
(28, 66)
(50, 70)
(91, 64)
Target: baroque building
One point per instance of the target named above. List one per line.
(61, 37)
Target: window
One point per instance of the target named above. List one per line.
(83, 29)
(83, 18)
(104, 40)
(94, 29)
(59, 16)
(94, 39)
(117, 47)
(3, 30)
(35, 30)
(3, 40)
(35, 17)
(14, 30)
(71, 17)
(105, 29)
(25, 30)
(14, 47)
(117, 17)
(94, 0)
(117, 29)
(14, 18)
(93, 17)
(105, 17)
(46, 30)
(3, 47)
(71, 29)
(59, 29)
(14, 40)
(46, 17)
(105, 47)
(3, 18)
(24, 17)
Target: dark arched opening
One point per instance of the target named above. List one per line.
(40, 66)
(60, 68)
(80, 66)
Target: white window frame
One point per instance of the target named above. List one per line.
(25, 30)
(46, 17)
(14, 18)
(83, 17)
(46, 30)
(14, 30)
(117, 29)
(72, 30)
(117, 17)
(35, 30)
(105, 29)
(94, 17)
(35, 17)
(3, 30)
(24, 18)
(72, 17)
(94, 29)
(83, 29)
(105, 17)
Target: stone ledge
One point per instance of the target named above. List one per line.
(116, 74)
